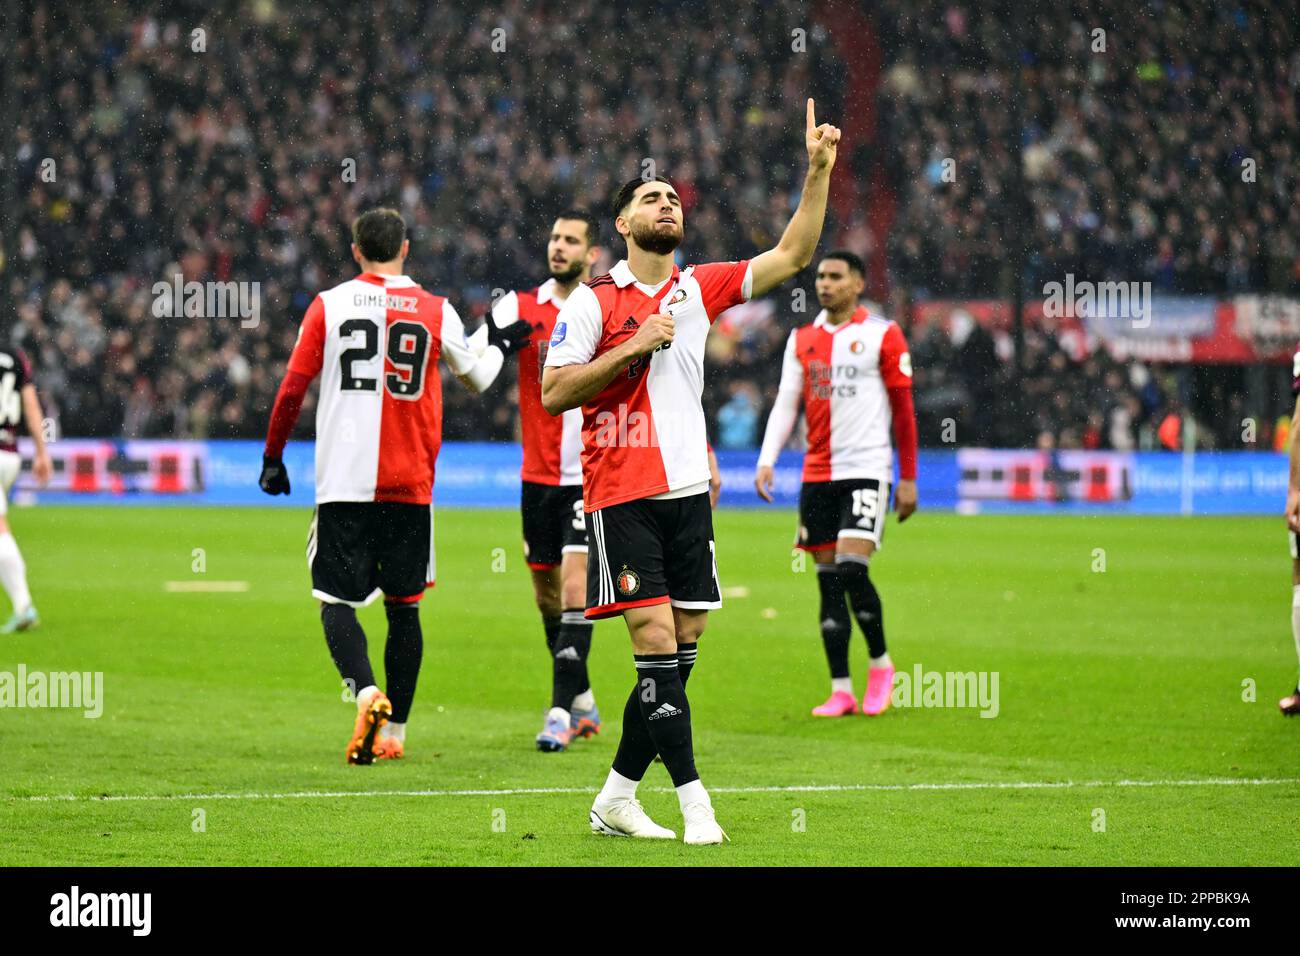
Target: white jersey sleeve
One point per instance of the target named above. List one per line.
(577, 330)
(504, 312)
(785, 411)
(477, 371)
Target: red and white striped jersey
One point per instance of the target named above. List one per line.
(842, 373)
(375, 341)
(552, 444)
(643, 436)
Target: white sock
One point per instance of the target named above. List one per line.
(617, 786)
(13, 573)
(365, 695)
(692, 792)
(842, 683)
(393, 731)
(1295, 617)
(558, 713)
(882, 661)
(584, 701)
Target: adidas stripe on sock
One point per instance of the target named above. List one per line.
(667, 714)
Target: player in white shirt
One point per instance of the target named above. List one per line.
(629, 348)
(375, 342)
(853, 374)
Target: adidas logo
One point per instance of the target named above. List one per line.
(631, 325)
(665, 710)
(568, 654)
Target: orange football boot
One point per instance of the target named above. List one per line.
(388, 748)
(370, 717)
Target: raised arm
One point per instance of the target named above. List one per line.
(799, 241)
(476, 369)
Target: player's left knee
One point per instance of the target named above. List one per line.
(689, 627)
(689, 635)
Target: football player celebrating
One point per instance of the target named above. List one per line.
(375, 341)
(629, 348)
(555, 528)
(1290, 705)
(853, 373)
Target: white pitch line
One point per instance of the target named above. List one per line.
(205, 587)
(808, 788)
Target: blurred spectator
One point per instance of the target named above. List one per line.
(1169, 157)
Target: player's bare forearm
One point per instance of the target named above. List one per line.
(1293, 485)
(568, 386)
(35, 418)
(799, 241)
(905, 499)
(1293, 440)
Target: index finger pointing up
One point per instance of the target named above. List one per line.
(812, 121)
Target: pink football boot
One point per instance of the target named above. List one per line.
(839, 704)
(880, 684)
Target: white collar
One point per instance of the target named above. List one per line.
(546, 293)
(623, 277)
(824, 315)
(392, 282)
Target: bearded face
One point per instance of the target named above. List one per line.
(660, 236)
(566, 273)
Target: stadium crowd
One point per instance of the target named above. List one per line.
(241, 152)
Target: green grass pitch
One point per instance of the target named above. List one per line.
(224, 709)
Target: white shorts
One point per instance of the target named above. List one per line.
(11, 465)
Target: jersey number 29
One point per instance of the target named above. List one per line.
(408, 351)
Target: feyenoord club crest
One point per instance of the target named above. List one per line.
(857, 347)
(628, 582)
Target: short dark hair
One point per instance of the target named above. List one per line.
(848, 258)
(593, 227)
(624, 194)
(379, 234)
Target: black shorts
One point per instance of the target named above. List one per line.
(652, 551)
(359, 549)
(849, 508)
(554, 523)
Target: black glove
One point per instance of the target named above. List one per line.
(275, 477)
(510, 339)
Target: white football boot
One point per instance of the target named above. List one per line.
(701, 828)
(624, 816)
